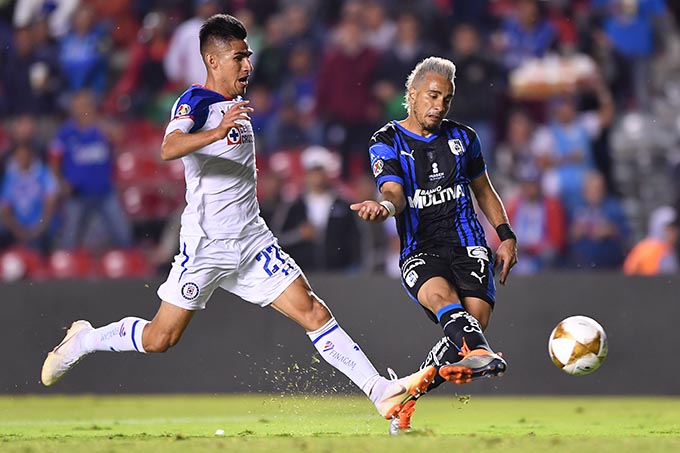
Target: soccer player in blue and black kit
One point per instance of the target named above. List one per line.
(426, 169)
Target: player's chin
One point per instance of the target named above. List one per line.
(433, 122)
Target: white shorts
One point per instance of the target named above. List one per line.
(254, 268)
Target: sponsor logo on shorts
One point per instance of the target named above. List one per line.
(478, 252)
(411, 264)
(328, 346)
(378, 167)
(190, 291)
(411, 279)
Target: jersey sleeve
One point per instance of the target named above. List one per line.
(384, 161)
(188, 114)
(475, 161)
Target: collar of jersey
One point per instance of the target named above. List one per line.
(198, 85)
(413, 135)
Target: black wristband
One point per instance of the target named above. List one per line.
(505, 232)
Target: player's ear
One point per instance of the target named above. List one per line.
(210, 60)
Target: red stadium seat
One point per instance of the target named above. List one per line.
(72, 264)
(131, 167)
(19, 263)
(125, 264)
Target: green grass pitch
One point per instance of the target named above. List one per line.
(252, 423)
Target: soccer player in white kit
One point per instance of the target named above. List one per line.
(224, 243)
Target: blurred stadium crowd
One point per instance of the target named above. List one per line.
(576, 103)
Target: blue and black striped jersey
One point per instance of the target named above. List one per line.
(435, 173)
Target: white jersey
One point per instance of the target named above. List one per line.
(221, 177)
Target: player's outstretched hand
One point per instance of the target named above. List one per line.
(370, 211)
(238, 112)
(506, 256)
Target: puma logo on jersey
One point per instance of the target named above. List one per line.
(404, 153)
(432, 197)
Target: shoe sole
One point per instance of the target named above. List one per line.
(72, 331)
(460, 374)
(416, 392)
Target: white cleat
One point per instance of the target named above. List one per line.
(398, 392)
(65, 355)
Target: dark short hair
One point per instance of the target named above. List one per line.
(221, 27)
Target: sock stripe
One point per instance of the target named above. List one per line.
(325, 333)
(443, 310)
(134, 343)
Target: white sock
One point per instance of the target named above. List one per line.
(123, 335)
(339, 350)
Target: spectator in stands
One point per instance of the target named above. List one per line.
(540, 221)
(656, 254)
(29, 76)
(319, 230)
(396, 63)
(598, 230)
(295, 126)
(525, 34)
(183, 61)
(83, 55)
(272, 58)
(344, 98)
(563, 147)
(301, 29)
(144, 76)
(482, 81)
(634, 29)
(57, 14)
(513, 155)
(28, 199)
(82, 160)
(373, 237)
(380, 28)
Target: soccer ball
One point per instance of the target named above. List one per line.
(578, 345)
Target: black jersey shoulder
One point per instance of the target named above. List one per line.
(385, 134)
(451, 126)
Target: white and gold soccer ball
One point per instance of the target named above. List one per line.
(578, 345)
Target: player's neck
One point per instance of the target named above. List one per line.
(412, 125)
(212, 85)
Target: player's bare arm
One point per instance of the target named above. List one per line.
(179, 144)
(492, 207)
(392, 193)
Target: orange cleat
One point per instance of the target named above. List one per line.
(401, 391)
(475, 364)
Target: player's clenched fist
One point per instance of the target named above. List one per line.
(370, 211)
(238, 112)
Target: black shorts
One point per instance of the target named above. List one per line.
(468, 269)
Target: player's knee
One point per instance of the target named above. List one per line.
(317, 316)
(436, 300)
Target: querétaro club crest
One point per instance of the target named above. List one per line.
(190, 291)
(456, 146)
